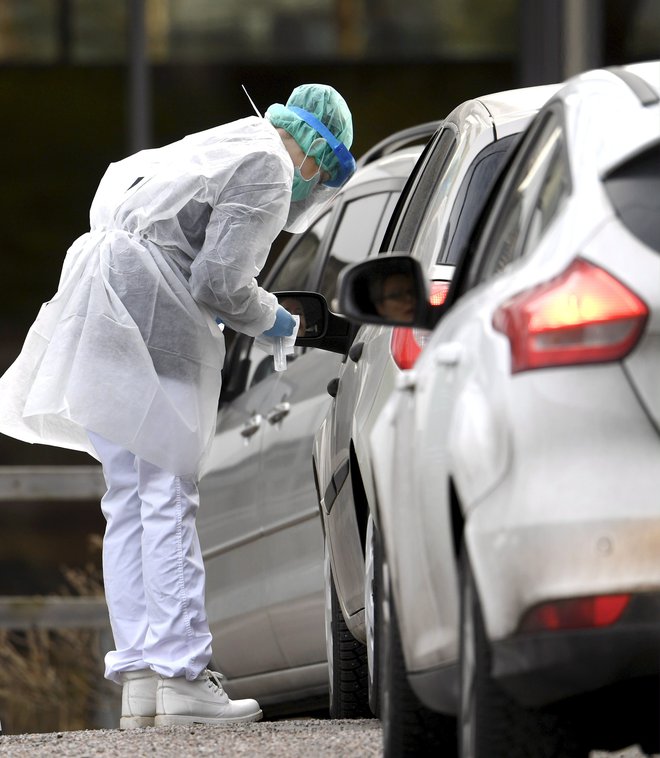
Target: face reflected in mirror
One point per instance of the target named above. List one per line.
(394, 298)
(295, 308)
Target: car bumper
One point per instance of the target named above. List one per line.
(541, 668)
(577, 512)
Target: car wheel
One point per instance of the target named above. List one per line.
(372, 577)
(409, 728)
(492, 724)
(347, 659)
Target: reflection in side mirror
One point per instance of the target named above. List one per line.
(389, 289)
(311, 309)
(319, 327)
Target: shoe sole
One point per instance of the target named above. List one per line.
(135, 722)
(169, 720)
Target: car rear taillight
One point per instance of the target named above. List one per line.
(407, 343)
(585, 315)
(576, 613)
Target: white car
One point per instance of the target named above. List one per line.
(434, 219)
(517, 465)
(258, 523)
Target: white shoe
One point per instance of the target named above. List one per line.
(138, 698)
(202, 701)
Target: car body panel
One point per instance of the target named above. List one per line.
(550, 476)
(643, 364)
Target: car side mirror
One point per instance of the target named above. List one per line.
(319, 327)
(389, 290)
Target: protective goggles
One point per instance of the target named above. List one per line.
(345, 161)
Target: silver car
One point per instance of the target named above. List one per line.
(518, 464)
(434, 220)
(259, 520)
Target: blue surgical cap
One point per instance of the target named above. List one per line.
(311, 111)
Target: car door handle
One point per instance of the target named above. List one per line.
(278, 412)
(406, 380)
(333, 387)
(252, 426)
(448, 354)
(355, 353)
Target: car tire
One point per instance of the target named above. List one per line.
(409, 727)
(373, 578)
(347, 659)
(491, 723)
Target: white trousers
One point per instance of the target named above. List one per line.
(152, 568)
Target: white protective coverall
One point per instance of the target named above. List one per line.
(124, 362)
(128, 348)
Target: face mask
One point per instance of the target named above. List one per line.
(301, 186)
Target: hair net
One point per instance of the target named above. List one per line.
(308, 105)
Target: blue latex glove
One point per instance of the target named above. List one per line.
(283, 326)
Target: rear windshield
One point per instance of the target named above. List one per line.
(634, 191)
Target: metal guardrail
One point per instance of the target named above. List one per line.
(53, 612)
(46, 484)
(51, 483)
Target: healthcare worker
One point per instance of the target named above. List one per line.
(124, 363)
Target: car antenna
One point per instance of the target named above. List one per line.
(256, 110)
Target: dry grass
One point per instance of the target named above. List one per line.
(52, 679)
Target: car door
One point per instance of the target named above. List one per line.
(289, 515)
(230, 537)
(362, 380)
(230, 519)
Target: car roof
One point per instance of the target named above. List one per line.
(502, 105)
(623, 101)
(648, 70)
(641, 79)
(505, 112)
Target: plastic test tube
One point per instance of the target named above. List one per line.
(279, 356)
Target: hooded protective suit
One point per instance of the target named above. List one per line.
(128, 348)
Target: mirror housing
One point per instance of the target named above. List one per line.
(319, 327)
(390, 290)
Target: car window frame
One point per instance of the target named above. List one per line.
(447, 253)
(413, 201)
(389, 187)
(292, 246)
(621, 185)
(483, 248)
(378, 186)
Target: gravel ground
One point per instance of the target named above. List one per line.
(295, 738)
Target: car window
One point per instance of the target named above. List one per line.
(553, 191)
(262, 363)
(634, 191)
(540, 183)
(418, 191)
(246, 365)
(293, 271)
(472, 196)
(355, 237)
(384, 222)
